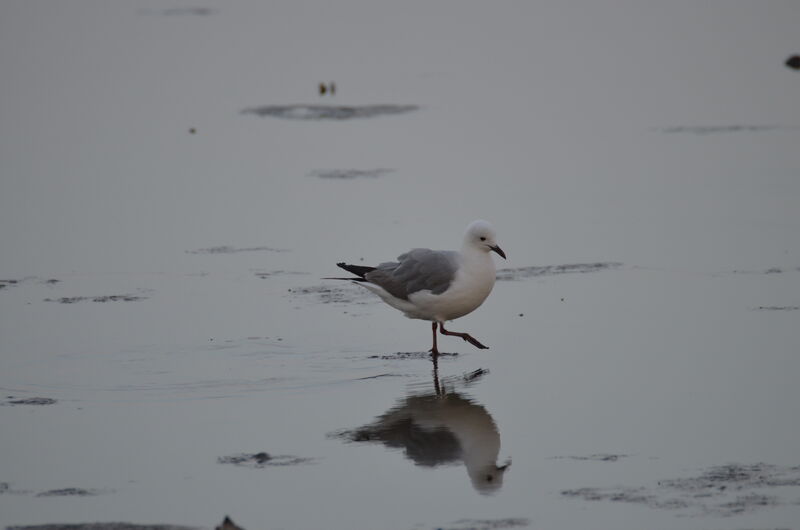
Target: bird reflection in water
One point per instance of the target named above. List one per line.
(441, 426)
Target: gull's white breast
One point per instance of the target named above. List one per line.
(473, 282)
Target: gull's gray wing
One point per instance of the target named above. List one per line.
(416, 270)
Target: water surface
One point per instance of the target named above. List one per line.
(170, 352)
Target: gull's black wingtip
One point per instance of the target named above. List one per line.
(358, 270)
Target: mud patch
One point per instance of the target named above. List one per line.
(99, 299)
(189, 11)
(403, 356)
(5, 284)
(771, 270)
(102, 526)
(739, 477)
(328, 112)
(269, 274)
(11, 400)
(487, 524)
(634, 495)
(717, 129)
(745, 504)
(181, 12)
(522, 273)
(334, 295)
(599, 457)
(348, 174)
(225, 249)
(263, 459)
(727, 490)
(70, 492)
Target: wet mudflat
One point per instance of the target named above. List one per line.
(170, 351)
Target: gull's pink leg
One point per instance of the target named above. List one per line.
(434, 351)
(466, 336)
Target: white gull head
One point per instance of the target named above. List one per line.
(481, 236)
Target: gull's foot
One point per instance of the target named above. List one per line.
(474, 342)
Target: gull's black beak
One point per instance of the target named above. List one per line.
(499, 251)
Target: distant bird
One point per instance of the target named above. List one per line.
(436, 285)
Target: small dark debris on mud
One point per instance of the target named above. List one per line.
(228, 524)
(263, 459)
(793, 62)
(487, 524)
(348, 174)
(99, 299)
(69, 492)
(329, 88)
(778, 308)
(328, 112)
(522, 273)
(30, 401)
(726, 490)
(5, 489)
(8, 283)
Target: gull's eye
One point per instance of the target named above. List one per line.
(483, 239)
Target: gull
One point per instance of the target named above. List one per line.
(436, 285)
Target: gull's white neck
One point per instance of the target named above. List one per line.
(476, 255)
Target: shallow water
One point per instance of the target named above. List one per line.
(169, 351)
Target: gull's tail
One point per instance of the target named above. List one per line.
(358, 270)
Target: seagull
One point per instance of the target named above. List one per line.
(436, 285)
